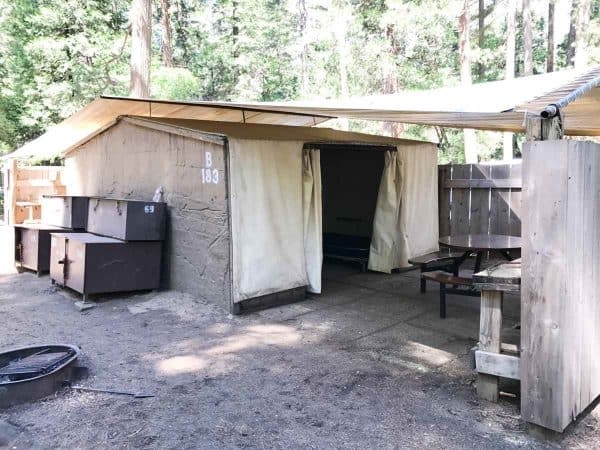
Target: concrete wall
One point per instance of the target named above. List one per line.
(131, 160)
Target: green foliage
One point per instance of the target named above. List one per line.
(57, 55)
(174, 83)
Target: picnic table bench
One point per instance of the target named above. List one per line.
(445, 259)
(451, 284)
(457, 249)
(493, 359)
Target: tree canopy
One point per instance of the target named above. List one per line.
(57, 55)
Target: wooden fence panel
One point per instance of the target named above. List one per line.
(480, 199)
(444, 174)
(459, 202)
(479, 219)
(514, 221)
(500, 202)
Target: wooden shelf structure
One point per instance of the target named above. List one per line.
(24, 187)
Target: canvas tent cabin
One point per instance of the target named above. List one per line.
(558, 368)
(244, 200)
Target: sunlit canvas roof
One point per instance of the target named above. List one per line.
(497, 106)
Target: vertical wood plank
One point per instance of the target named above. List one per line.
(459, 222)
(10, 192)
(544, 243)
(591, 293)
(444, 199)
(515, 202)
(561, 267)
(490, 340)
(499, 202)
(480, 201)
(575, 266)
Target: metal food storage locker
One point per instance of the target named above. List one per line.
(91, 264)
(129, 220)
(65, 211)
(32, 246)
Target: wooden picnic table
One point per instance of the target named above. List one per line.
(494, 359)
(481, 243)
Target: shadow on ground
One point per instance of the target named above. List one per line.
(367, 364)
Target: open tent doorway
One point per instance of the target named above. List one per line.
(350, 177)
(371, 205)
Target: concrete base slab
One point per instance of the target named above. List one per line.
(84, 305)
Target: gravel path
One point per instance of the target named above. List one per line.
(311, 375)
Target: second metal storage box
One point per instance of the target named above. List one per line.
(32, 246)
(65, 211)
(130, 220)
(91, 264)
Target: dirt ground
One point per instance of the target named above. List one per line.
(368, 364)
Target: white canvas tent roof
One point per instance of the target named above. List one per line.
(103, 112)
(497, 106)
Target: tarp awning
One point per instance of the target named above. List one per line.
(103, 112)
(496, 106)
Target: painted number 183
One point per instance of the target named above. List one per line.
(209, 175)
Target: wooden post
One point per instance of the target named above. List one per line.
(10, 194)
(490, 340)
(539, 129)
(560, 305)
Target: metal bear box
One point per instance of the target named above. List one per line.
(129, 220)
(91, 264)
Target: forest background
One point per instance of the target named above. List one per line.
(57, 55)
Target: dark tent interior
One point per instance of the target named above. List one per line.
(350, 177)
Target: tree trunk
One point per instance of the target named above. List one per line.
(481, 37)
(527, 39)
(391, 84)
(511, 31)
(303, 23)
(167, 49)
(550, 58)
(583, 21)
(341, 30)
(235, 42)
(141, 23)
(576, 46)
(509, 68)
(470, 140)
(572, 33)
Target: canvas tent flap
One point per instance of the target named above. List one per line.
(419, 217)
(406, 215)
(267, 220)
(386, 223)
(313, 218)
